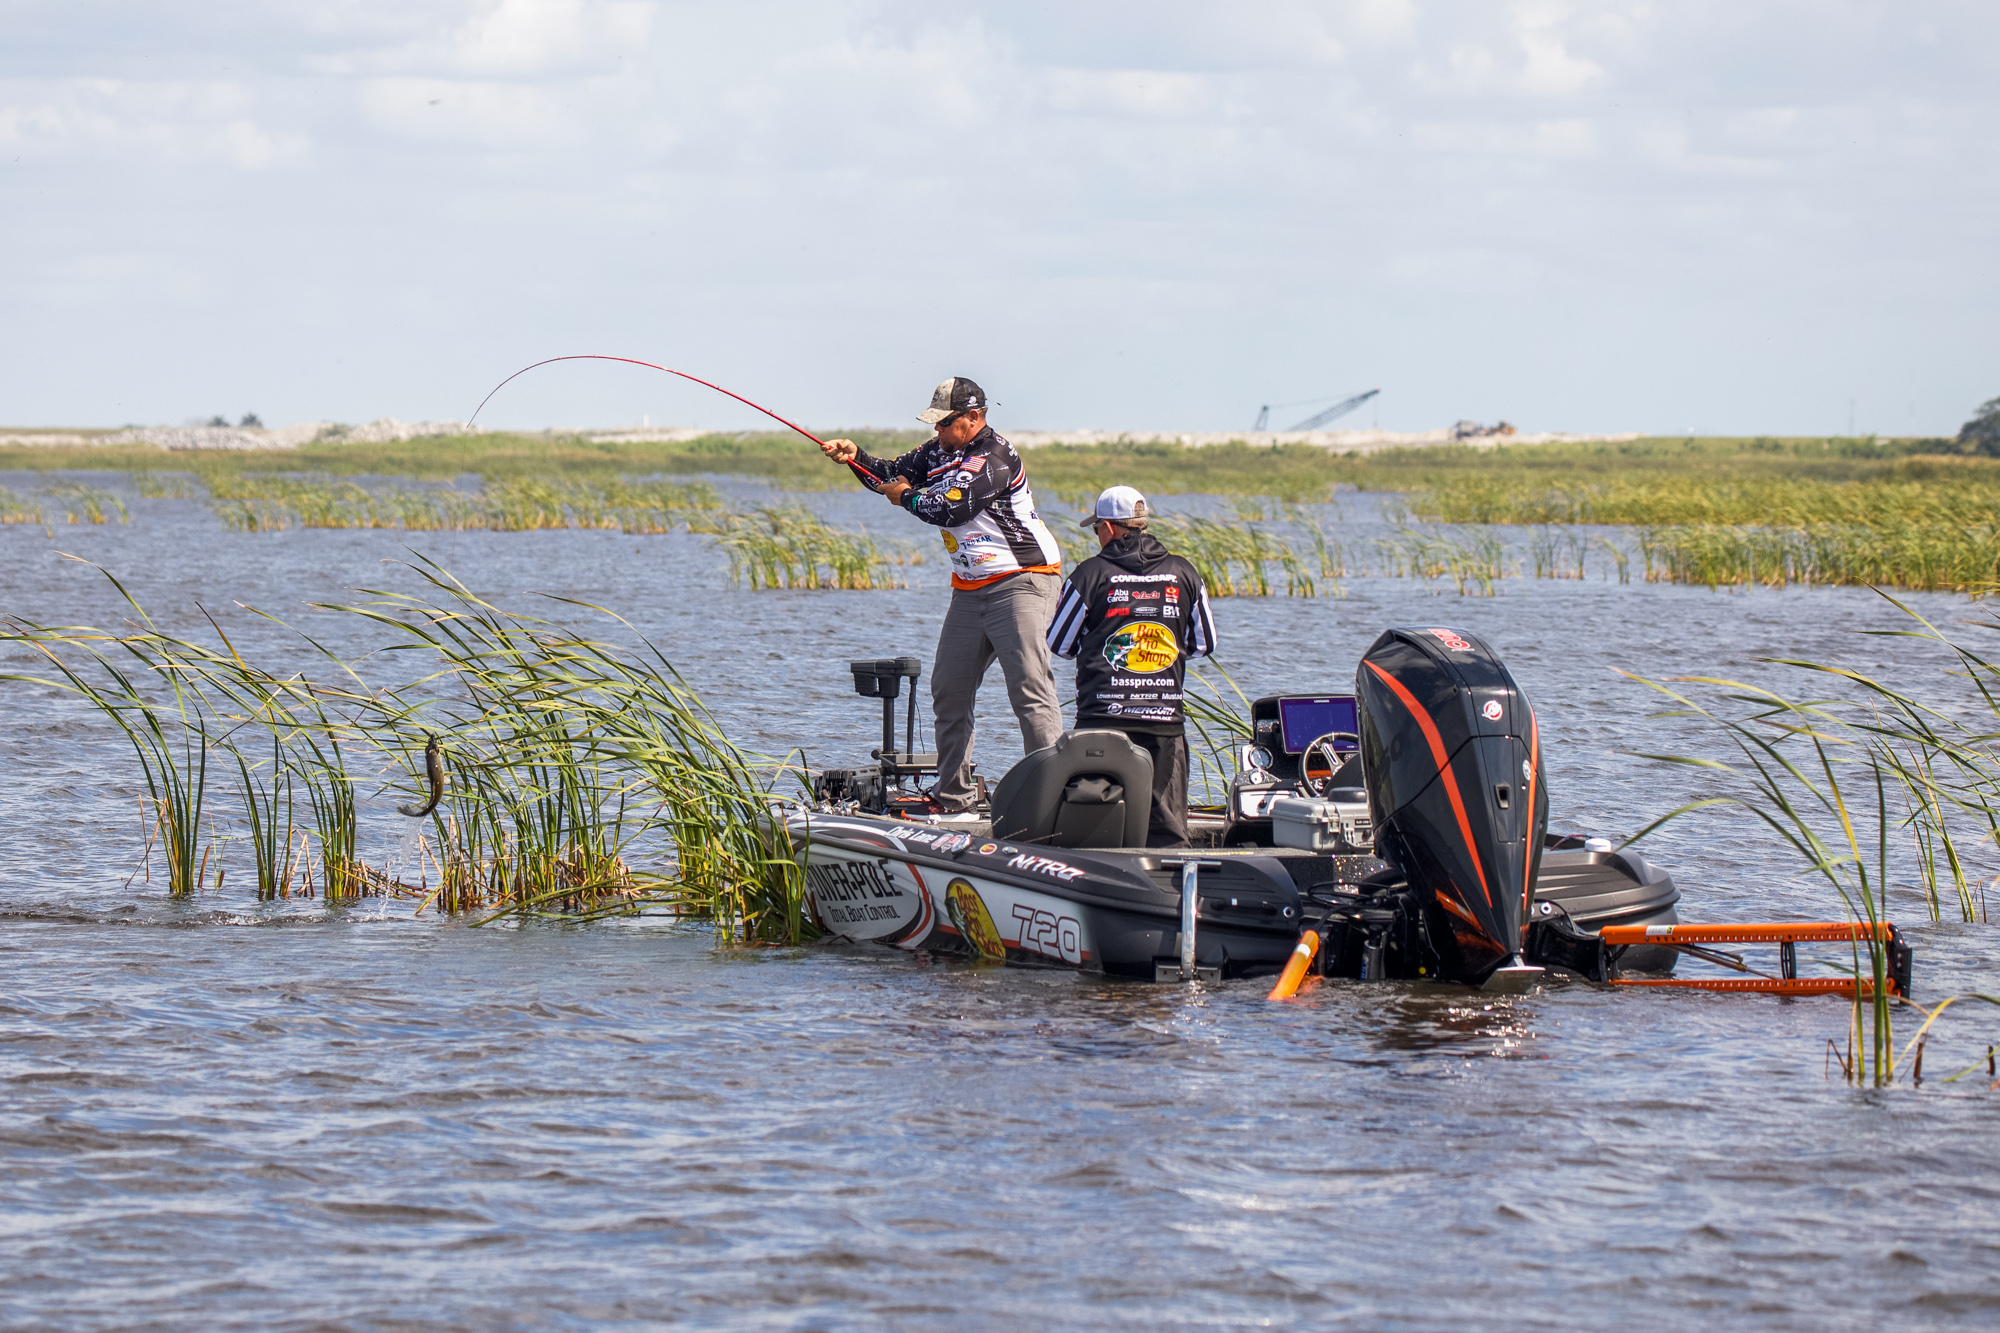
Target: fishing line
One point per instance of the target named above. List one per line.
(668, 370)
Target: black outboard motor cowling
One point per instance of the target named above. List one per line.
(1453, 767)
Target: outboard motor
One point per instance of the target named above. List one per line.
(1453, 768)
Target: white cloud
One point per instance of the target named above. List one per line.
(1263, 190)
(487, 39)
(166, 122)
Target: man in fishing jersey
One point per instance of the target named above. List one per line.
(1005, 567)
(1132, 615)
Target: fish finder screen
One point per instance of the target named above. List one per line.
(1304, 721)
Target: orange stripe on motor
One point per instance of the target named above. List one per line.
(1528, 841)
(1444, 767)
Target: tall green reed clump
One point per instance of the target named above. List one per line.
(1473, 559)
(1237, 559)
(87, 504)
(1842, 781)
(135, 680)
(13, 509)
(792, 547)
(268, 811)
(570, 751)
(569, 757)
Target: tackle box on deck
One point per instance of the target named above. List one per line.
(1321, 825)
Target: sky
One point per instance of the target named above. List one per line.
(1720, 216)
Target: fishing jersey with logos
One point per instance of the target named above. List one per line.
(1132, 615)
(979, 497)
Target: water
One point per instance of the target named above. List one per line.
(220, 1114)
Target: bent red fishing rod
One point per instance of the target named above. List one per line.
(869, 478)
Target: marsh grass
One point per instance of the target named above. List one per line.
(153, 485)
(268, 812)
(1843, 780)
(255, 502)
(169, 731)
(13, 509)
(85, 504)
(572, 761)
(792, 547)
(1219, 712)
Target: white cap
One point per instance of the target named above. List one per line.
(1119, 504)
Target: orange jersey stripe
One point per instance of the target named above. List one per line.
(969, 584)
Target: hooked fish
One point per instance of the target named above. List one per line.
(434, 770)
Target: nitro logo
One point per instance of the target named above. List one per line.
(1043, 865)
(1450, 638)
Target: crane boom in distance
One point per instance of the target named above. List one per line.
(1339, 409)
(1318, 419)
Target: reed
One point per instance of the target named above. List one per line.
(1792, 759)
(1235, 560)
(576, 732)
(1474, 559)
(792, 547)
(13, 509)
(570, 759)
(1219, 712)
(87, 504)
(168, 729)
(268, 811)
(164, 485)
(1842, 780)
(255, 502)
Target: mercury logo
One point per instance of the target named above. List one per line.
(1492, 710)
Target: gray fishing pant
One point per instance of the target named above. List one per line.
(1008, 621)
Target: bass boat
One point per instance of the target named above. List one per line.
(1404, 826)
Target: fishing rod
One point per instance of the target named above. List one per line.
(630, 361)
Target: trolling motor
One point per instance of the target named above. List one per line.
(877, 789)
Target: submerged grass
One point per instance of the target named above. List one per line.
(586, 777)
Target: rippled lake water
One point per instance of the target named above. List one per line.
(220, 1114)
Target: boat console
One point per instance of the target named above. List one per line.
(1299, 778)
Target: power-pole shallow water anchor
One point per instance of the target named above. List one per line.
(1697, 940)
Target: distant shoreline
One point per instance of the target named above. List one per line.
(388, 430)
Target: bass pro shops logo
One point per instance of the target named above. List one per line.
(1143, 648)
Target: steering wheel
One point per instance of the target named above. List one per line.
(1320, 781)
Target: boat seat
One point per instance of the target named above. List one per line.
(1089, 789)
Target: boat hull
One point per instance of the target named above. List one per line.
(927, 888)
(916, 887)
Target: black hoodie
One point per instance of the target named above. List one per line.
(1131, 616)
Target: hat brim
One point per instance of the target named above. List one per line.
(935, 415)
(1091, 522)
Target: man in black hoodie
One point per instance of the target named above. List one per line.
(1131, 616)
